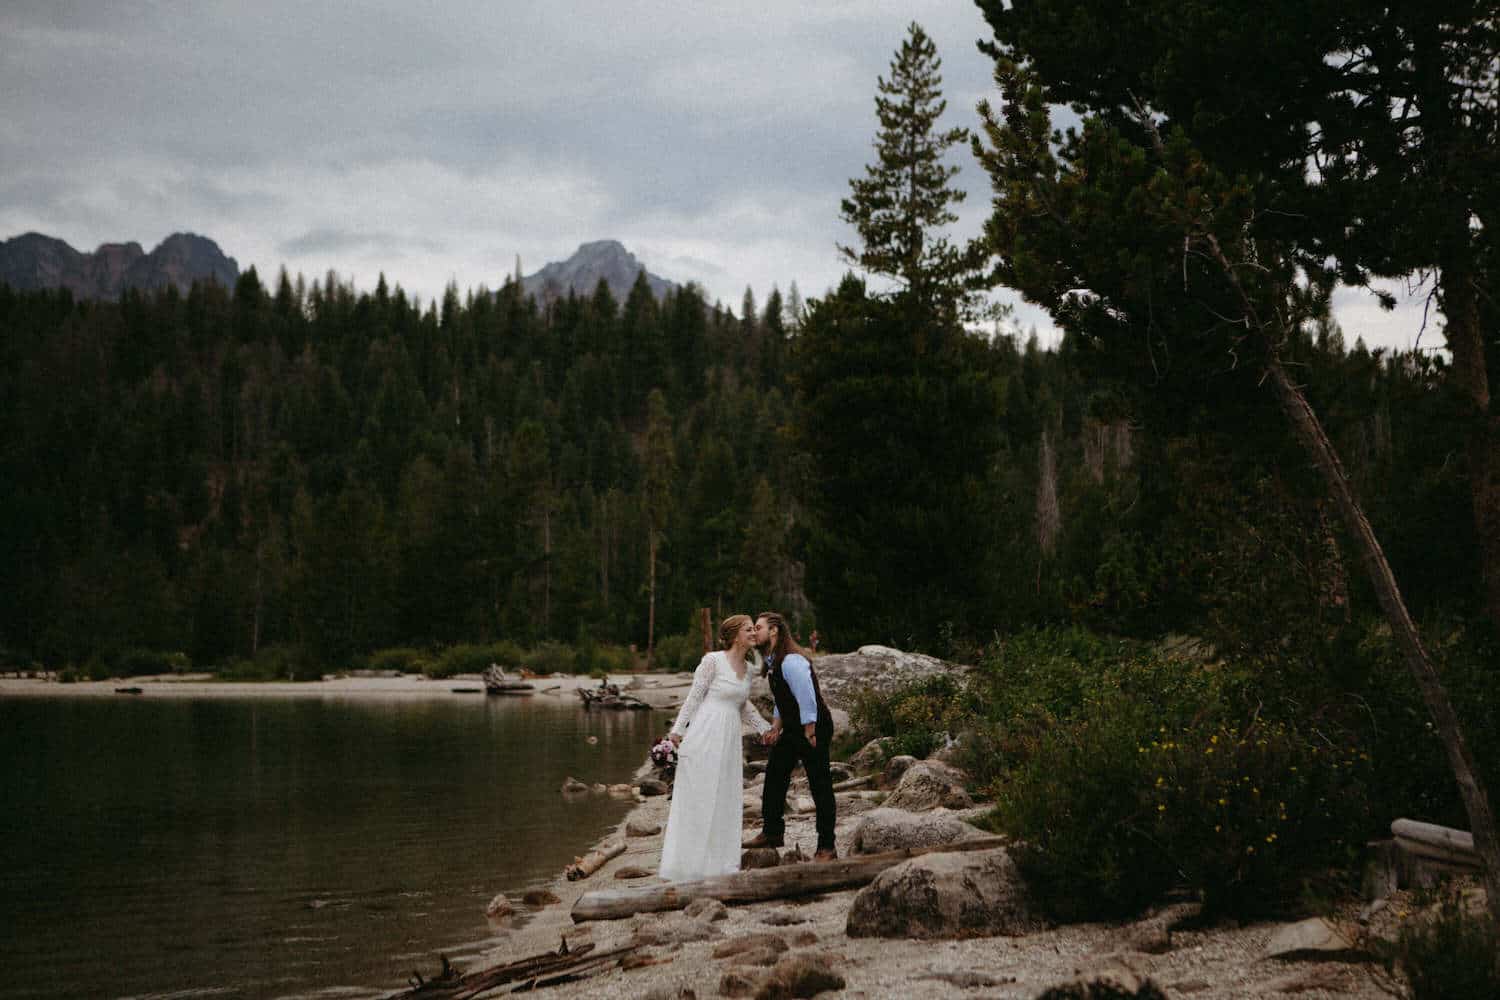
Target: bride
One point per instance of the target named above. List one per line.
(704, 825)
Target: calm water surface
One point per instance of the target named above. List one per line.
(282, 847)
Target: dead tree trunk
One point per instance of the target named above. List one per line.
(1476, 801)
(757, 884)
(1314, 440)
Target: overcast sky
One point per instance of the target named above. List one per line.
(436, 142)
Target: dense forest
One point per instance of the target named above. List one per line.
(231, 469)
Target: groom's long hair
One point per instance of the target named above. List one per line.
(784, 643)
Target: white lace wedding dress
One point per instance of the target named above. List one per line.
(704, 825)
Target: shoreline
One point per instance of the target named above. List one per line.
(1216, 962)
(654, 688)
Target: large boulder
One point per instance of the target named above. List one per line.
(929, 784)
(871, 756)
(973, 894)
(875, 668)
(896, 829)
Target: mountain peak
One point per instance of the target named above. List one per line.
(581, 273)
(33, 261)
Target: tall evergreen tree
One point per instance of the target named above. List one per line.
(900, 206)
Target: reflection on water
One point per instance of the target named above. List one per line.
(268, 848)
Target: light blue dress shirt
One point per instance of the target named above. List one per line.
(797, 673)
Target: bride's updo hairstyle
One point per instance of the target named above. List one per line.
(730, 629)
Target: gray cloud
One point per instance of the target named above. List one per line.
(435, 142)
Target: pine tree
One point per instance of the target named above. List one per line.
(905, 199)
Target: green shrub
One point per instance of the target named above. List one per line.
(405, 659)
(598, 660)
(1116, 808)
(1081, 806)
(138, 662)
(916, 717)
(1452, 956)
(552, 658)
(677, 653)
(273, 663)
(468, 658)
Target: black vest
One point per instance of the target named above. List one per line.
(790, 711)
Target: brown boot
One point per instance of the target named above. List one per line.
(826, 854)
(761, 840)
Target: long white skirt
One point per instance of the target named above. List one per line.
(705, 822)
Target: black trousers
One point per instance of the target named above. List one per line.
(789, 751)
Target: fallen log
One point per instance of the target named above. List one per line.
(594, 860)
(844, 786)
(1440, 843)
(758, 884)
(532, 972)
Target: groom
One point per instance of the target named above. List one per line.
(805, 739)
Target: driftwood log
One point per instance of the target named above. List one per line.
(1440, 843)
(594, 860)
(758, 884)
(533, 972)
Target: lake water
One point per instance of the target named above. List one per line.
(257, 847)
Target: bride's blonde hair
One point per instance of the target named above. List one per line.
(731, 628)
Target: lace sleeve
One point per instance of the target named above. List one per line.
(753, 718)
(702, 678)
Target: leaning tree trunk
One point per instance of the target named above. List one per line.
(1476, 801)
(1310, 433)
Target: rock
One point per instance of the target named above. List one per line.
(667, 993)
(599, 788)
(871, 756)
(634, 871)
(802, 975)
(672, 928)
(973, 894)
(738, 984)
(1106, 986)
(640, 828)
(895, 768)
(1313, 979)
(500, 906)
(968, 980)
(882, 829)
(572, 786)
(803, 804)
(759, 857)
(783, 918)
(751, 808)
(875, 668)
(1152, 935)
(622, 791)
(928, 784)
(1314, 938)
(761, 955)
(706, 910)
(755, 767)
(802, 939)
(749, 942)
(951, 749)
(540, 897)
(839, 772)
(653, 786)
(1191, 986)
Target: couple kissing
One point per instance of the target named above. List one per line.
(706, 817)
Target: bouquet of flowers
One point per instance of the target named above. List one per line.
(664, 757)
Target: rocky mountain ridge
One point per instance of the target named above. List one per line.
(581, 273)
(34, 261)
